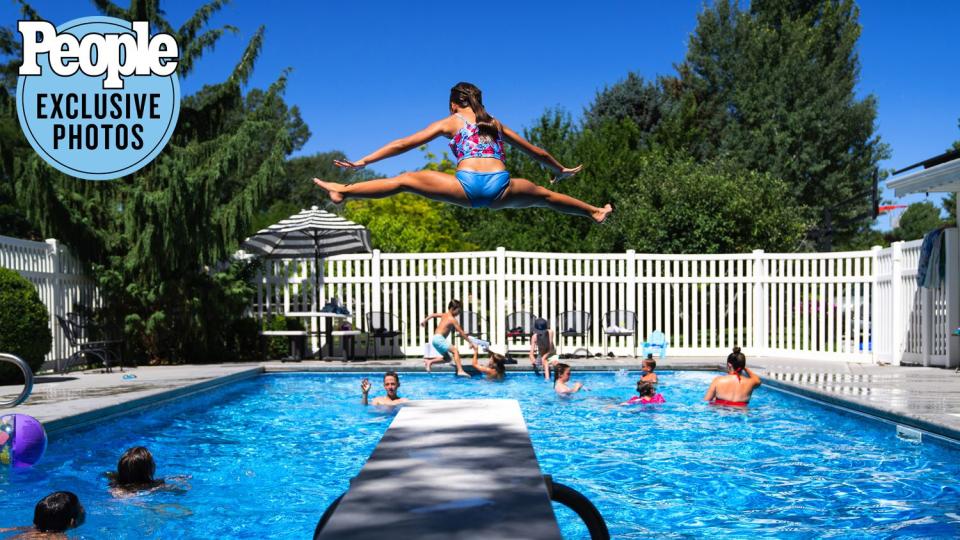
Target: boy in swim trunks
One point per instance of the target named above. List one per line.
(441, 340)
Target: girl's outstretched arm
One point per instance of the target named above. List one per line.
(538, 154)
(400, 146)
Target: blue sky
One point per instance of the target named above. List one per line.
(367, 72)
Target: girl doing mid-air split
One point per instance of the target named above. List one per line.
(482, 180)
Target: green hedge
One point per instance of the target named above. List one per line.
(24, 325)
(279, 346)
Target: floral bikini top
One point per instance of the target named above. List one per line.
(469, 143)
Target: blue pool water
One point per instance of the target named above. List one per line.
(268, 455)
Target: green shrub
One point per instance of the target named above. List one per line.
(24, 325)
(279, 346)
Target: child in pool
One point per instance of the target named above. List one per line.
(561, 381)
(135, 472)
(646, 394)
(52, 517)
(495, 370)
(649, 364)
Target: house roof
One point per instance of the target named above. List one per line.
(940, 174)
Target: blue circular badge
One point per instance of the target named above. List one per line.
(111, 109)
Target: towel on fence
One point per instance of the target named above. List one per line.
(931, 266)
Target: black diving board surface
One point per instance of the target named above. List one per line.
(449, 469)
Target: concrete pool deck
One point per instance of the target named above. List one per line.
(918, 397)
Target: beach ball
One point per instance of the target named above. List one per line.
(22, 440)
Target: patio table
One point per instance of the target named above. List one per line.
(328, 325)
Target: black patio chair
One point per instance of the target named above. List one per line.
(381, 326)
(473, 324)
(79, 331)
(574, 324)
(619, 323)
(520, 326)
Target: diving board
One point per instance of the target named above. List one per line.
(449, 469)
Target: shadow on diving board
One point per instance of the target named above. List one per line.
(449, 469)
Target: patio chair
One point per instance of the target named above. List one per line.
(656, 343)
(381, 326)
(574, 324)
(78, 330)
(520, 326)
(620, 323)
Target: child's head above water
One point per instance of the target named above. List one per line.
(136, 467)
(649, 362)
(58, 512)
(645, 389)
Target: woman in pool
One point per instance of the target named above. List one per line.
(496, 368)
(542, 347)
(561, 381)
(646, 394)
(482, 180)
(733, 389)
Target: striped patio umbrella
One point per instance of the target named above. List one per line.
(311, 233)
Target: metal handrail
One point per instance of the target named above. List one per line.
(27, 379)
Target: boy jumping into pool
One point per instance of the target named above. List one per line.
(441, 340)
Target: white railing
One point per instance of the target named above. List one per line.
(59, 279)
(807, 305)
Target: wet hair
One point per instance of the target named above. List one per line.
(393, 374)
(649, 356)
(737, 360)
(454, 304)
(499, 364)
(559, 370)
(57, 512)
(648, 361)
(645, 389)
(465, 94)
(136, 467)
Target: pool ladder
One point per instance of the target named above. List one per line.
(27, 380)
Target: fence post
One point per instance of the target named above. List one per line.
(759, 304)
(56, 289)
(896, 305)
(501, 291)
(953, 296)
(874, 329)
(375, 287)
(631, 276)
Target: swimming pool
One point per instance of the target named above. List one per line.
(267, 455)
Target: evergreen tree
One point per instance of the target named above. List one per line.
(917, 220)
(153, 239)
(773, 89)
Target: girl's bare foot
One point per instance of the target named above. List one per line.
(333, 190)
(601, 215)
(463, 374)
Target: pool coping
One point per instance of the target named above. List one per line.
(943, 433)
(105, 413)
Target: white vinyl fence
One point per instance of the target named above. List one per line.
(858, 306)
(59, 279)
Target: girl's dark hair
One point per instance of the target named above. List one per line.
(500, 364)
(558, 370)
(465, 94)
(645, 389)
(737, 360)
(136, 467)
(56, 511)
